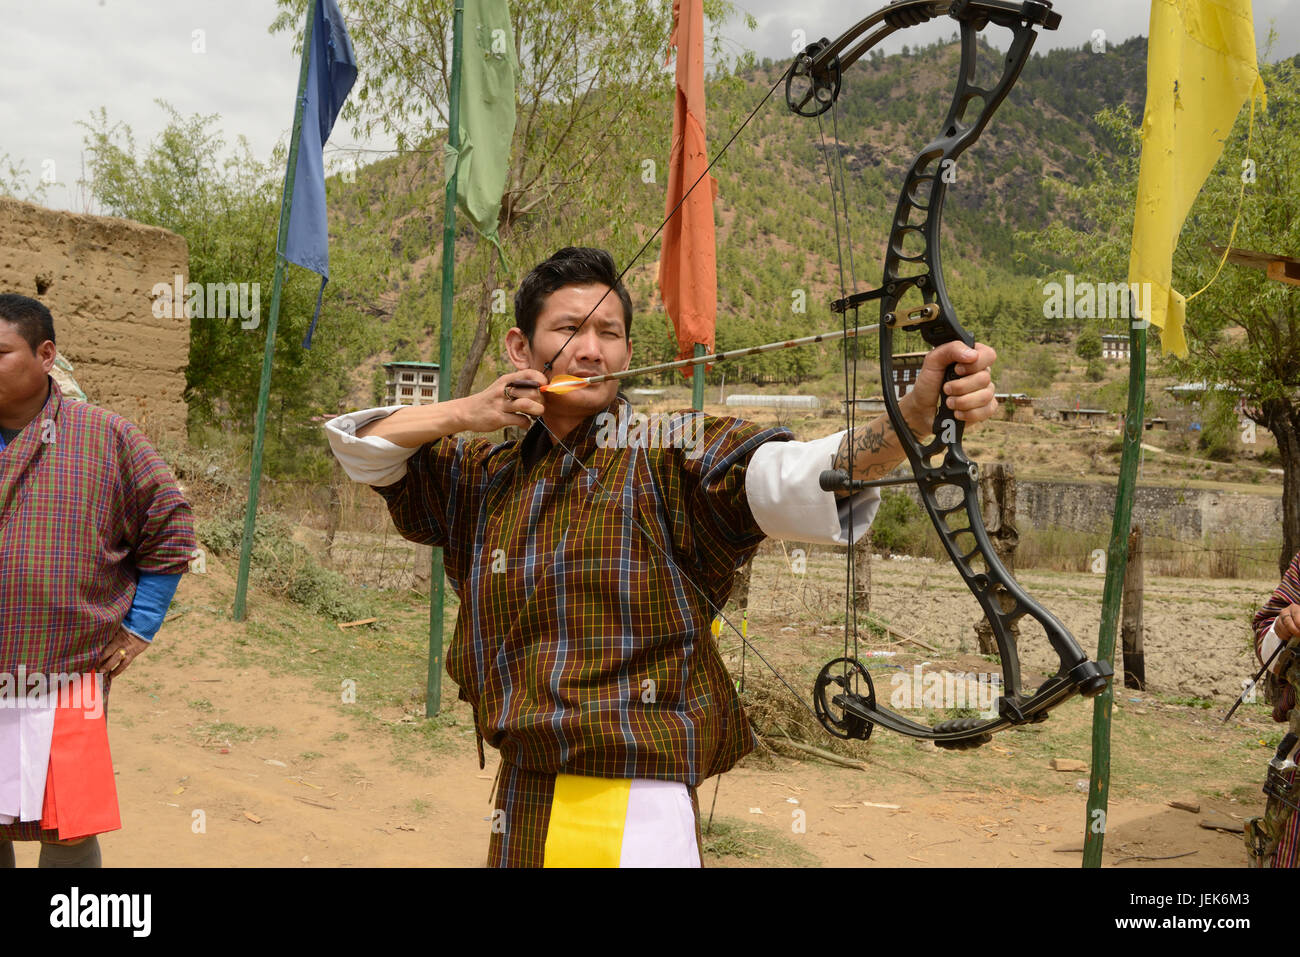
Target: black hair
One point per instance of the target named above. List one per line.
(34, 322)
(570, 266)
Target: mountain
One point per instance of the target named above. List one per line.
(775, 228)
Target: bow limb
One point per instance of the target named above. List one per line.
(913, 300)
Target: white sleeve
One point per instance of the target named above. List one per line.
(788, 503)
(1268, 644)
(368, 459)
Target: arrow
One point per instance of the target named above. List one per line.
(1253, 681)
(561, 384)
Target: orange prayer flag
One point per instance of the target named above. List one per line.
(688, 268)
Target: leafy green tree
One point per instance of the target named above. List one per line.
(1037, 370)
(1244, 329)
(226, 206)
(1088, 345)
(899, 524)
(1219, 421)
(16, 181)
(591, 76)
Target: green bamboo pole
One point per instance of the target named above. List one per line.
(1094, 835)
(437, 578)
(697, 380)
(263, 395)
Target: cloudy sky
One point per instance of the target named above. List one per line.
(64, 58)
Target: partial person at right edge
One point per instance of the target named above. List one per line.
(1275, 624)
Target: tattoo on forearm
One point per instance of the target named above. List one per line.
(872, 439)
(876, 443)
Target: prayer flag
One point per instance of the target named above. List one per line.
(688, 267)
(1201, 68)
(487, 116)
(331, 71)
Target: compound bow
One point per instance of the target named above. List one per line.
(844, 697)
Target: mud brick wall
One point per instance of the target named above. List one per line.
(96, 274)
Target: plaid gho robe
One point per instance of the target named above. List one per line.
(85, 502)
(1286, 593)
(580, 647)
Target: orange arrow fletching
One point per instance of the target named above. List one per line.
(564, 383)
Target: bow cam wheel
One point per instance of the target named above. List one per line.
(809, 91)
(843, 680)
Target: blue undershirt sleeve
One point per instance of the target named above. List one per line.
(153, 596)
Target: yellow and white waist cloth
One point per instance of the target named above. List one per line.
(620, 822)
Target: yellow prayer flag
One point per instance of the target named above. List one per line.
(1201, 68)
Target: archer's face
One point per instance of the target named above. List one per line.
(600, 346)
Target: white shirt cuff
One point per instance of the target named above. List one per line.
(781, 483)
(369, 459)
(1268, 644)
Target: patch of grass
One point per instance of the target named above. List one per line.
(1188, 701)
(229, 731)
(430, 734)
(388, 660)
(200, 704)
(285, 567)
(730, 838)
(1248, 794)
(725, 838)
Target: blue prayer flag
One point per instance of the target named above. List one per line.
(331, 71)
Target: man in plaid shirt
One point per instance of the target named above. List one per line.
(589, 565)
(1277, 622)
(94, 536)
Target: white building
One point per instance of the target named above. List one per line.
(1114, 347)
(411, 383)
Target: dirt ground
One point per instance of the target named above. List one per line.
(233, 746)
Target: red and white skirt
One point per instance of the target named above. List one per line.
(55, 764)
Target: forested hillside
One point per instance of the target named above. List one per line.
(776, 232)
(779, 264)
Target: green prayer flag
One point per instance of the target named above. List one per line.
(487, 115)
